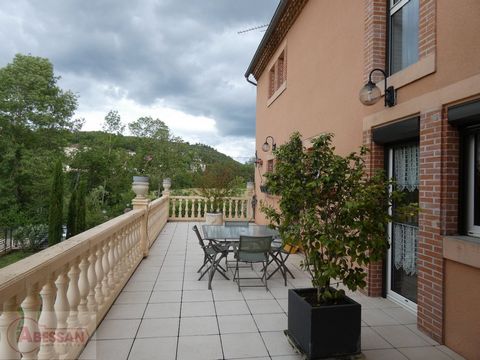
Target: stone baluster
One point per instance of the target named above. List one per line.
(111, 261)
(84, 290)
(230, 209)
(92, 281)
(29, 340)
(114, 240)
(73, 295)
(121, 260)
(62, 309)
(48, 320)
(8, 334)
(236, 208)
(200, 207)
(180, 208)
(128, 248)
(125, 259)
(99, 299)
(106, 271)
(205, 207)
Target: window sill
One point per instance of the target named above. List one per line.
(462, 249)
(414, 72)
(277, 93)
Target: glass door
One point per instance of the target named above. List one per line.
(402, 255)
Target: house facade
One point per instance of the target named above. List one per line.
(314, 59)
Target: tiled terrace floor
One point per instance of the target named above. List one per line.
(165, 313)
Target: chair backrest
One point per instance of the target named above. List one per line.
(236, 223)
(255, 244)
(200, 239)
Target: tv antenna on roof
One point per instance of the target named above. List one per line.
(253, 28)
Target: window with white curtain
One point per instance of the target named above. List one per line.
(403, 33)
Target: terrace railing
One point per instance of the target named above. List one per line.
(52, 301)
(193, 208)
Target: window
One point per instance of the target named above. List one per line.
(278, 74)
(403, 34)
(270, 165)
(473, 184)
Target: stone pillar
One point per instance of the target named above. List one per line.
(141, 203)
(167, 183)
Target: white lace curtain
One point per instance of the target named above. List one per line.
(405, 247)
(406, 167)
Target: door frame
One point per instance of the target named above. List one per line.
(390, 294)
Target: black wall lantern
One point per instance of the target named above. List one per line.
(370, 93)
(266, 145)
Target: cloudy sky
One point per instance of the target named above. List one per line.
(181, 61)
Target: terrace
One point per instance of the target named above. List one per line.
(132, 283)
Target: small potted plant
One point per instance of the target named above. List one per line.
(338, 216)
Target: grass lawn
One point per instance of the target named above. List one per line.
(13, 256)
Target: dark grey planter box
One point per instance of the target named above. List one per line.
(323, 331)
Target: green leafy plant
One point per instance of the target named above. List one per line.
(31, 237)
(332, 210)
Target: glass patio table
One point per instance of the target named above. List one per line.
(231, 234)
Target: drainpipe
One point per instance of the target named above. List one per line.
(247, 77)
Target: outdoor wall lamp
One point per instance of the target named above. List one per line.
(266, 145)
(370, 93)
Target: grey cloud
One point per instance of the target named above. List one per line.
(187, 53)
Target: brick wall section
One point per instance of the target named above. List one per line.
(450, 176)
(427, 28)
(375, 32)
(373, 161)
(438, 215)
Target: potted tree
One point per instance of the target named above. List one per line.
(215, 186)
(338, 217)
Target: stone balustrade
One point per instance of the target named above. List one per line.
(194, 208)
(52, 301)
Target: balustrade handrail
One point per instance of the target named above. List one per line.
(59, 254)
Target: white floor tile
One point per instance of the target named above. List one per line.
(107, 349)
(235, 307)
(243, 345)
(236, 324)
(277, 343)
(117, 329)
(126, 311)
(199, 347)
(400, 336)
(159, 327)
(199, 325)
(162, 310)
(204, 308)
(271, 322)
(148, 349)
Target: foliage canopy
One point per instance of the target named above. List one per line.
(331, 209)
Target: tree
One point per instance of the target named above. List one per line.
(147, 127)
(72, 214)
(55, 216)
(113, 123)
(34, 114)
(81, 208)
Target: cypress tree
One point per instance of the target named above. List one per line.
(55, 213)
(72, 214)
(81, 209)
